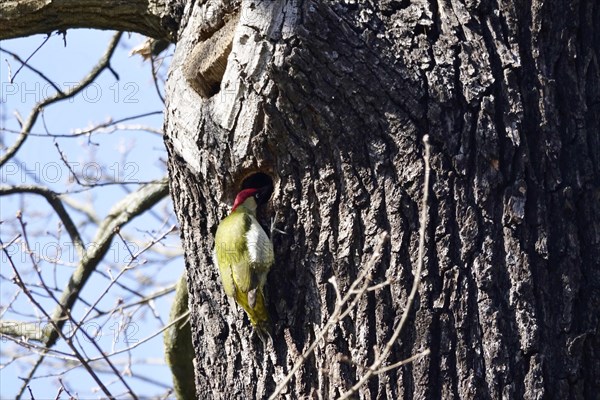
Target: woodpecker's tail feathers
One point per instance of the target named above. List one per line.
(263, 331)
(255, 306)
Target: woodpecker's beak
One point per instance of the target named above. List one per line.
(264, 194)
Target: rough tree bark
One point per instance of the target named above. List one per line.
(331, 100)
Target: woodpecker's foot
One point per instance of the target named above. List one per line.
(273, 229)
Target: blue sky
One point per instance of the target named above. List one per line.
(123, 155)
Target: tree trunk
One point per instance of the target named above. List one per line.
(331, 101)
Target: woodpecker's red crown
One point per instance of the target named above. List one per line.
(242, 196)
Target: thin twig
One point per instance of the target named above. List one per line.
(374, 368)
(67, 316)
(154, 69)
(54, 200)
(142, 341)
(30, 393)
(103, 128)
(424, 353)
(121, 213)
(121, 272)
(38, 349)
(144, 300)
(337, 314)
(19, 281)
(63, 158)
(25, 64)
(91, 77)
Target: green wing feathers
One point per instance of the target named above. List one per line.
(231, 252)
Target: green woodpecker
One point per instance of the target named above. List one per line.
(244, 254)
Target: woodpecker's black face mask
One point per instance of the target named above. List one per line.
(263, 195)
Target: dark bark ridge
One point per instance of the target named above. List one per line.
(332, 100)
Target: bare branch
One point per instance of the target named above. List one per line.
(67, 316)
(154, 69)
(144, 300)
(54, 200)
(17, 329)
(19, 18)
(103, 64)
(39, 344)
(122, 271)
(107, 127)
(124, 211)
(21, 284)
(181, 317)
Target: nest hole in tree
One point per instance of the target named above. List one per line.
(259, 180)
